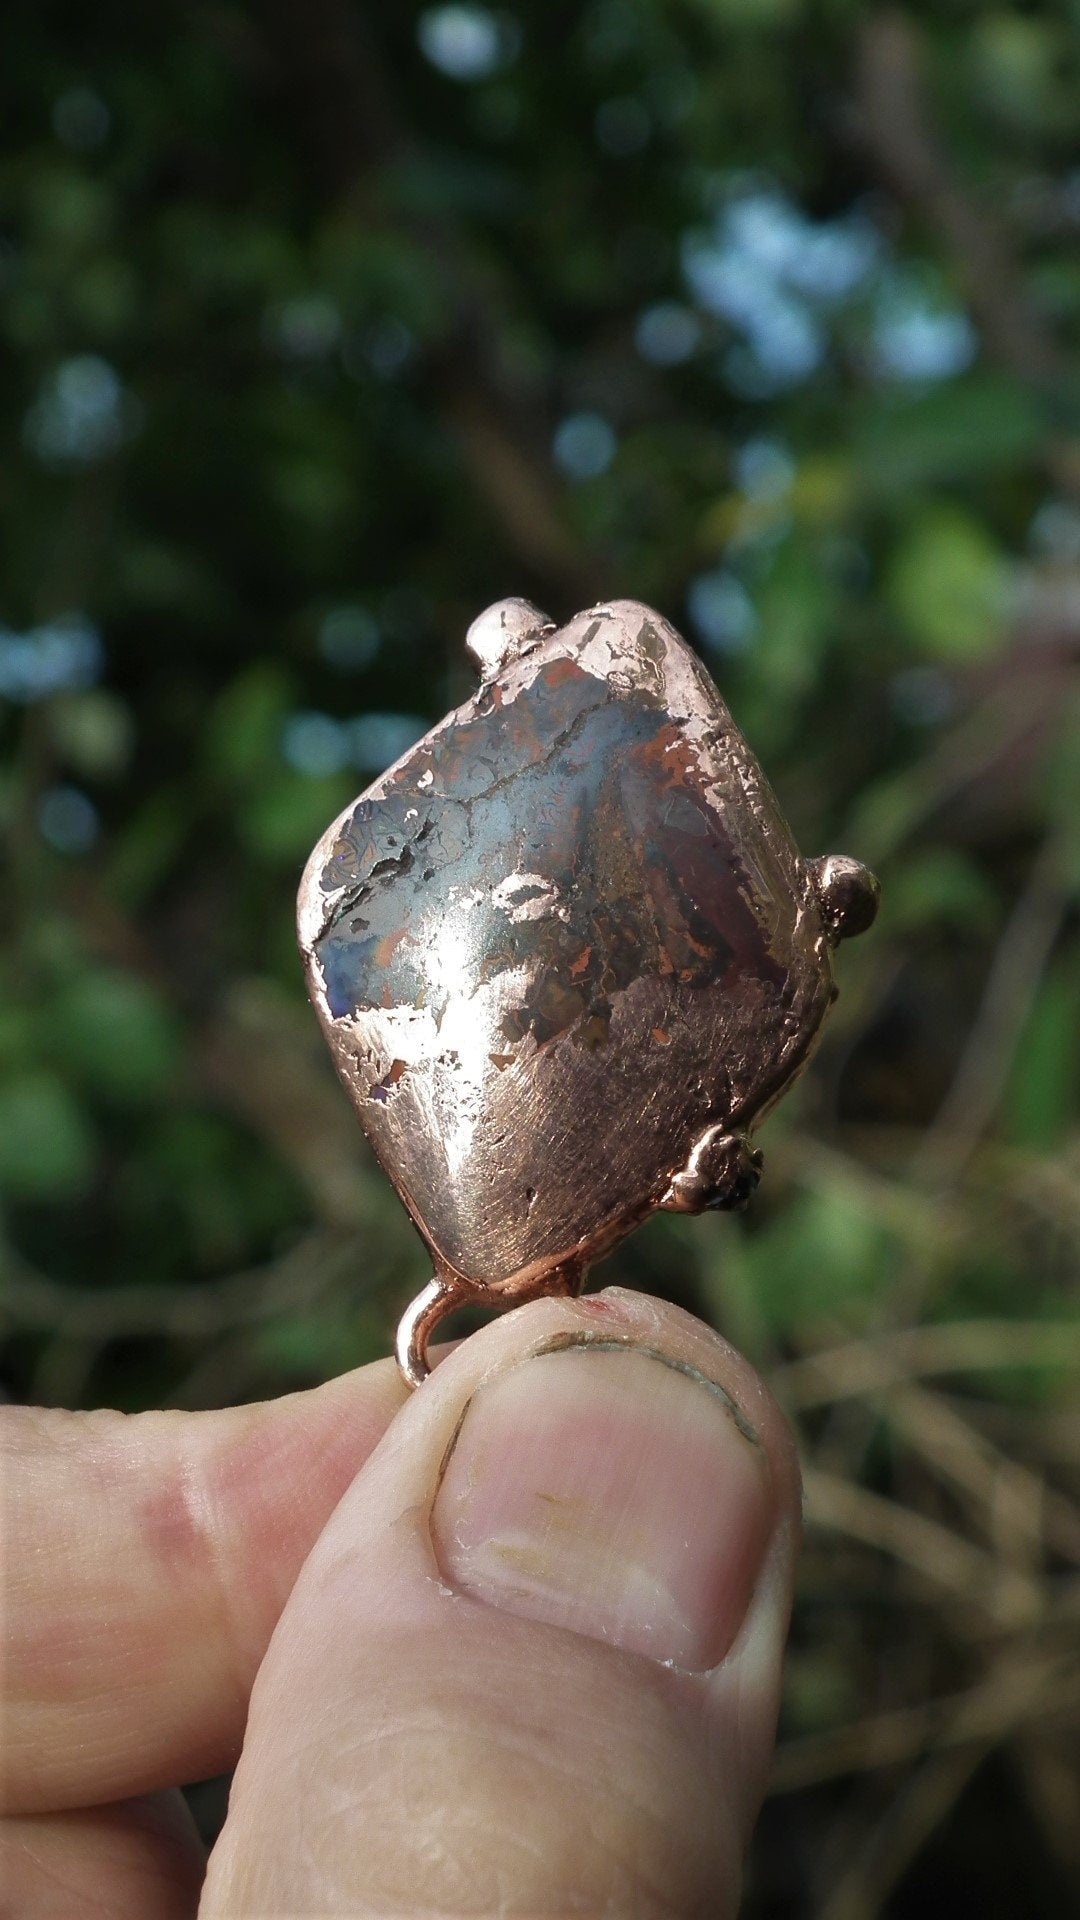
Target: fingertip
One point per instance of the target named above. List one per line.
(148, 1558)
(558, 1590)
(119, 1862)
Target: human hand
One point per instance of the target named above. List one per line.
(508, 1645)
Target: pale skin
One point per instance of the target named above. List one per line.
(507, 1645)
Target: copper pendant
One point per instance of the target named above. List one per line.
(566, 955)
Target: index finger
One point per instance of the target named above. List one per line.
(146, 1560)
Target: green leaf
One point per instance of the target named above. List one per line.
(93, 731)
(284, 816)
(143, 849)
(939, 887)
(982, 424)
(1060, 784)
(824, 1259)
(949, 584)
(243, 736)
(105, 296)
(72, 212)
(160, 576)
(114, 1032)
(1022, 68)
(301, 1347)
(758, 16)
(1043, 1099)
(795, 608)
(46, 1147)
(796, 615)
(18, 1034)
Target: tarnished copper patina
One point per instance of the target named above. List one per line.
(566, 955)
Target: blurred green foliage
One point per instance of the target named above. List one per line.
(327, 325)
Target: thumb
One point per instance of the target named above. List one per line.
(532, 1664)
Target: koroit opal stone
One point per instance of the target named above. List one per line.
(566, 955)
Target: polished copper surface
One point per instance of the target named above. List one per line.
(565, 954)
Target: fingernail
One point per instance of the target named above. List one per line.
(609, 1490)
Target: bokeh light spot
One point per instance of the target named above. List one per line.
(667, 334)
(68, 820)
(315, 744)
(584, 445)
(764, 469)
(721, 612)
(916, 339)
(81, 413)
(922, 696)
(348, 638)
(467, 43)
(307, 327)
(64, 655)
(378, 739)
(81, 120)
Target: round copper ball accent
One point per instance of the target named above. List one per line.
(848, 892)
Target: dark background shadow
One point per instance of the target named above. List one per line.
(323, 327)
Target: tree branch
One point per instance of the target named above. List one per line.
(896, 127)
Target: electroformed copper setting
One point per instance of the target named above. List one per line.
(566, 955)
